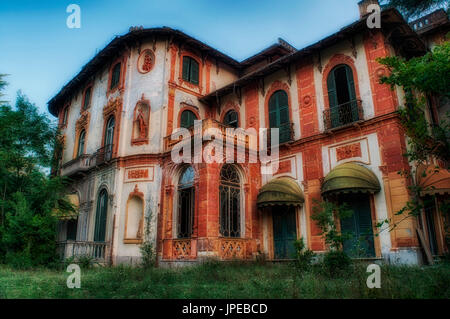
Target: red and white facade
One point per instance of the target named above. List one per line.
(133, 164)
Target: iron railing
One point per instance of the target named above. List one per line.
(343, 114)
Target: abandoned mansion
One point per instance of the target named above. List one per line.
(340, 139)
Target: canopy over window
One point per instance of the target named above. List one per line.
(433, 180)
(350, 178)
(280, 191)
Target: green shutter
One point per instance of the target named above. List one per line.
(186, 68)
(273, 112)
(352, 93)
(194, 72)
(359, 225)
(332, 98)
(187, 119)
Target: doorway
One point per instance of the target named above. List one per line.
(284, 232)
(358, 226)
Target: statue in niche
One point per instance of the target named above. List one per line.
(141, 124)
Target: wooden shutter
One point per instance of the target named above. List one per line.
(352, 93)
(273, 112)
(332, 98)
(194, 72)
(186, 68)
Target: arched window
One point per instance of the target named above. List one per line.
(187, 119)
(109, 137)
(231, 119)
(186, 203)
(230, 202)
(81, 142)
(87, 98)
(115, 76)
(279, 115)
(190, 70)
(342, 96)
(100, 216)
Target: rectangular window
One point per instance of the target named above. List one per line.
(190, 71)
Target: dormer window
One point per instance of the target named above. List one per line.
(190, 70)
(115, 76)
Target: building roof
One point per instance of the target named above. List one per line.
(392, 23)
(119, 43)
(391, 19)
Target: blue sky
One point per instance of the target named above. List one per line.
(41, 54)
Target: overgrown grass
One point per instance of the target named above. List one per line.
(226, 280)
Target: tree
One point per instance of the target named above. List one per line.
(422, 78)
(414, 8)
(30, 200)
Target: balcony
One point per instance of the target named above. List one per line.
(76, 166)
(343, 115)
(97, 251)
(238, 139)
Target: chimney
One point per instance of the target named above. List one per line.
(363, 7)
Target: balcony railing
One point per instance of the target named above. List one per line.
(103, 154)
(78, 165)
(98, 251)
(343, 114)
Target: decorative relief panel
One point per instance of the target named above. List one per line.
(356, 150)
(139, 174)
(348, 151)
(146, 61)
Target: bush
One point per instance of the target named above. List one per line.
(304, 255)
(336, 263)
(148, 254)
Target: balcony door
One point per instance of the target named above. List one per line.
(279, 114)
(342, 96)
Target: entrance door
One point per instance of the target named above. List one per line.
(284, 232)
(359, 226)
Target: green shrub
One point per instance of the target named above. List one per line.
(305, 256)
(336, 263)
(148, 254)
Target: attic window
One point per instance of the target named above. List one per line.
(115, 76)
(190, 70)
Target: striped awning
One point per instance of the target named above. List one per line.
(433, 179)
(280, 191)
(350, 178)
(66, 212)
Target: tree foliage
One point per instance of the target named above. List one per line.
(421, 79)
(414, 8)
(30, 200)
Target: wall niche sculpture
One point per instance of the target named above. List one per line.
(141, 120)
